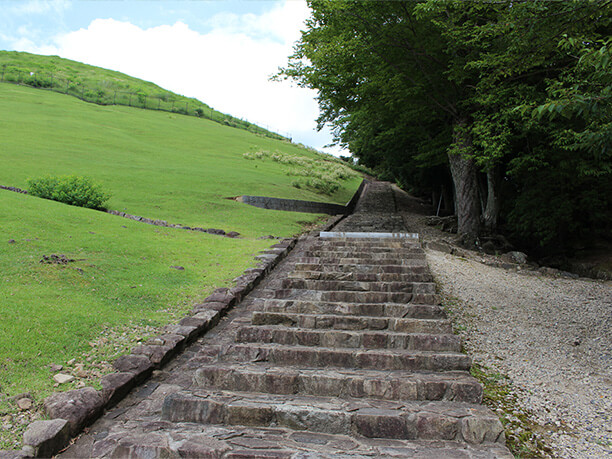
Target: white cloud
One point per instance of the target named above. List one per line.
(228, 68)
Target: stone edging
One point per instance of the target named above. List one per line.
(71, 411)
(149, 221)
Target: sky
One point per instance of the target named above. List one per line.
(222, 52)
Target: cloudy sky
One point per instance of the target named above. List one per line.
(221, 52)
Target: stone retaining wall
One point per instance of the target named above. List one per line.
(295, 205)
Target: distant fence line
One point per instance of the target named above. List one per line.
(111, 96)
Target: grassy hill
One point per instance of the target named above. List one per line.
(123, 281)
(107, 87)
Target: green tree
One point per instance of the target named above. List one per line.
(415, 87)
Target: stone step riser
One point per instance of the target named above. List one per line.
(317, 321)
(367, 246)
(413, 311)
(365, 256)
(414, 267)
(335, 285)
(359, 277)
(337, 339)
(346, 358)
(351, 297)
(370, 423)
(290, 382)
(335, 261)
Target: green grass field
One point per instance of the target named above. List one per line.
(106, 87)
(122, 285)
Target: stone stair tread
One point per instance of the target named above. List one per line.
(387, 309)
(409, 266)
(361, 339)
(409, 420)
(373, 383)
(202, 440)
(359, 261)
(344, 322)
(321, 357)
(350, 296)
(358, 286)
(359, 277)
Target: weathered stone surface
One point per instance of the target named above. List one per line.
(47, 437)
(480, 429)
(140, 365)
(346, 352)
(62, 378)
(78, 407)
(115, 386)
(157, 354)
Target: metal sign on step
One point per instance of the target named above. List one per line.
(349, 234)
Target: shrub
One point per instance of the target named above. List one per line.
(69, 189)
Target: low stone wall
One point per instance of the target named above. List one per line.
(295, 205)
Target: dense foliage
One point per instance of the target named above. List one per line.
(503, 107)
(69, 189)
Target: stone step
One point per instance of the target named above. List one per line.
(371, 419)
(320, 357)
(342, 322)
(409, 267)
(336, 339)
(331, 260)
(455, 386)
(417, 311)
(383, 245)
(365, 257)
(193, 440)
(359, 286)
(350, 296)
(361, 277)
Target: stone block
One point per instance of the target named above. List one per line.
(240, 413)
(47, 437)
(480, 429)
(382, 424)
(79, 407)
(140, 365)
(115, 386)
(181, 408)
(157, 354)
(433, 426)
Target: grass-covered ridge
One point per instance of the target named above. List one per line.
(107, 87)
(155, 164)
(125, 277)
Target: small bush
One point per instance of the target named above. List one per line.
(69, 189)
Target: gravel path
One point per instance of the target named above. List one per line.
(551, 336)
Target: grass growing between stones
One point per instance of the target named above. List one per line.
(523, 436)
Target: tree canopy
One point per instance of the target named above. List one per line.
(506, 103)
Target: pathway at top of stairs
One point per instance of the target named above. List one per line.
(343, 351)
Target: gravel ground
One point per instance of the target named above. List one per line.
(551, 336)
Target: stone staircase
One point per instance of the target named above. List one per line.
(347, 354)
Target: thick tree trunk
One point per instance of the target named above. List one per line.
(491, 212)
(464, 171)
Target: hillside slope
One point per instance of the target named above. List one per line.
(156, 164)
(107, 87)
(122, 279)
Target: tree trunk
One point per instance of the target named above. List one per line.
(491, 212)
(464, 171)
